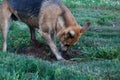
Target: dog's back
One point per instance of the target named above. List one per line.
(28, 10)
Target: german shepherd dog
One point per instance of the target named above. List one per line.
(52, 17)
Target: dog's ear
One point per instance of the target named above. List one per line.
(85, 27)
(71, 33)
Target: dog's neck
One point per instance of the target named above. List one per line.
(68, 16)
(66, 20)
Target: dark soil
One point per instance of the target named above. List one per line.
(43, 51)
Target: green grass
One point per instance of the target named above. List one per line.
(100, 45)
(15, 67)
(106, 4)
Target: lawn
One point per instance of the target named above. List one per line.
(100, 46)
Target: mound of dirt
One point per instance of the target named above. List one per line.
(43, 51)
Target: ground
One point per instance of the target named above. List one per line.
(44, 52)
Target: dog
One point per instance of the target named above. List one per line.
(52, 18)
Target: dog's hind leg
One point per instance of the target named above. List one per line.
(5, 24)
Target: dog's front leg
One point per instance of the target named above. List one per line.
(33, 36)
(52, 45)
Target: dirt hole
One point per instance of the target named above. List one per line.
(43, 51)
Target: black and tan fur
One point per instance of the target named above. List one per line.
(52, 17)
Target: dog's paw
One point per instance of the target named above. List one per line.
(60, 58)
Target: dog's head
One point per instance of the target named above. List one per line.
(71, 35)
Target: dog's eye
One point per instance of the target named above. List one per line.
(67, 45)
